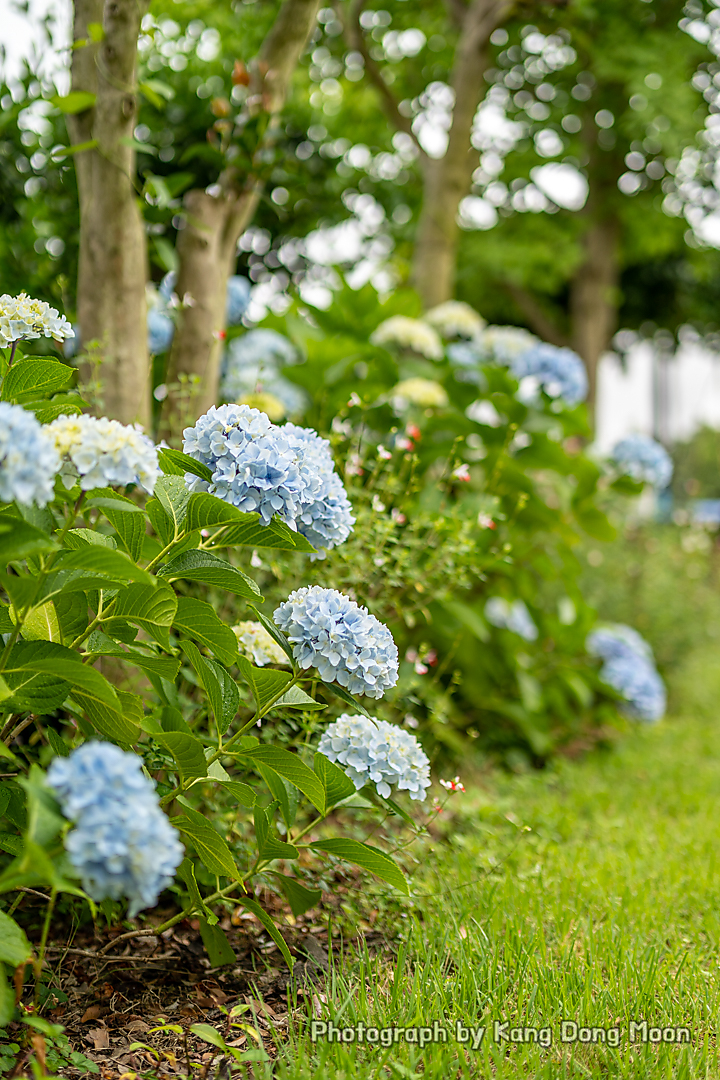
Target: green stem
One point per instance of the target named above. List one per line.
(38, 965)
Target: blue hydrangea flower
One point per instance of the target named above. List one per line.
(123, 844)
(373, 751)
(252, 364)
(262, 346)
(617, 640)
(347, 645)
(511, 616)
(637, 681)
(160, 330)
(29, 461)
(643, 459)
(237, 299)
(328, 520)
(166, 288)
(560, 372)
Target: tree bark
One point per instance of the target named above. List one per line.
(447, 180)
(594, 297)
(207, 244)
(112, 267)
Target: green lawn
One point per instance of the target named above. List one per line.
(604, 911)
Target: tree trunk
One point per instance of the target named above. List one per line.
(113, 256)
(594, 298)
(448, 180)
(207, 245)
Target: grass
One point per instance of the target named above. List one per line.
(589, 892)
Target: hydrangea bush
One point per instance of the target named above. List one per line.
(110, 549)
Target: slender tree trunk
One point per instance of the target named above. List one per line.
(207, 245)
(594, 297)
(448, 180)
(113, 255)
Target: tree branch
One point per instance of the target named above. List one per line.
(282, 48)
(391, 108)
(538, 319)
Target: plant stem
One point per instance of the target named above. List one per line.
(38, 965)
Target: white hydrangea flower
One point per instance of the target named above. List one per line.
(29, 461)
(505, 343)
(455, 318)
(409, 334)
(426, 393)
(104, 453)
(22, 319)
(373, 751)
(258, 645)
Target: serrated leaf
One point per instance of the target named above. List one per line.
(269, 845)
(197, 620)
(115, 565)
(242, 792)
(265, 683)
(6, 624)
(211, 849)
(173, 496)
(222, 692)
(61, 405)
(112, 723)
(296, 698)
(186, 873)
(41, 624)
(175, 463)
(80, 538)
(300, 898)
(113, 501)
(206, 511)
(31, 379)
(122, 514)
(276, 634)
(58, 745)
(207, 568)
(369, 858)
(187, 750)
(283, 792)
(18, 540)
(292, 768)
(53, 661)
(15, 949)
(218, 948)
(269, 925)
(151, 607)
(337, 785)
(165, 667)
(341, 692)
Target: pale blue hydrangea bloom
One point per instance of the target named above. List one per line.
(166, 288)
(373, 751)
(560, 372)
(29, 461)
(643, 459)
(160, 330)
(123, 844)
(252, 363)
(504, 344)
(330, 632)
(328, 520)
(104, 453)
(639, 684)
(237, 299)
(511, 616)
(617, 639)
(262, 346)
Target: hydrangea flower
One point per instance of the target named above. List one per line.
(326, 520)
(267, 403)
(455, 318)
(560, 372)
(23, 319)
(123, 844)
(104, 453)
(252, 365)
(426, 393)
(237, 299)
(409, 334)
(29, 461)
(637, 681)
(160, 330)
(347, 645)
(511, 616)
(503, 344)
(373, 751)
(644, 459)
(617, 639)
(258, 645)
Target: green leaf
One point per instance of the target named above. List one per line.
(33, 378)
(284, 793)
(187, 751)
(593, 521)
(173, 720)
(173, 496)
(41, 624)
(7, 999)
(211, 849)
(15, 948)
(337, 785)
(217, 947)
(207, 568)
(300, 898)
(165, 667)
(122, 513)
(292, 768)
(197, 620)
(78, 148)
(175, 463)
(269, 845)
(114, 501)
(58, 745)
(151, 607)
(242, 792)
(112, 723)
(209, 1034)
(40, 674)
(61, 405)
(269, 925)
(97, 559)
(186, 873)
(341, 692)
(206, 511)
(369, 858)
(80, 538)
(296, 698)
(76, 102)
(18, 540)
(276, 634)
(222, 692)
(6, 624)
(265, 683)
